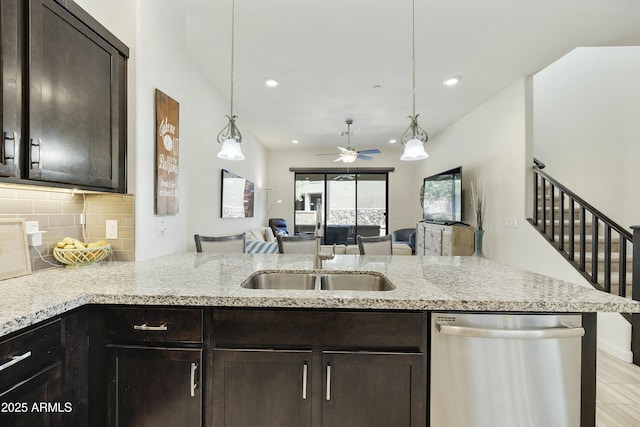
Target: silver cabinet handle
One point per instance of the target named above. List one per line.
(328, 382)
(304, 381)
(145, 327)
(39, 145)
(194, 385)
(520, 334)
(3, 148)
(14, 360)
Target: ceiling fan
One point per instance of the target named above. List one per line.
(349, 154)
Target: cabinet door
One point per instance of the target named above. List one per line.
(154, 387)
(76, 101)
(11, 71)
(433, 241)
(363, 389)
(36, 401)
(266, 388)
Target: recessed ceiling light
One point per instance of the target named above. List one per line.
(271, 82)
(392, 141)
(452, 81)
(294, 141)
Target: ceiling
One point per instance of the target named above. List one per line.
(329, 56)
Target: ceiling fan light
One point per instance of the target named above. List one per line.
(231, 150)
(414, 150)
(349, 157)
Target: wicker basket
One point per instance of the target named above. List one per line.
(78, 257)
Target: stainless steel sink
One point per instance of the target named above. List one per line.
(277, 280)
(345, 281)
(355, 282)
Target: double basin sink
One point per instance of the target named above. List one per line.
(318, 281)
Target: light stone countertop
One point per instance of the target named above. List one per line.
(191, 279)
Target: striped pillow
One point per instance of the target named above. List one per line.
(260, 247)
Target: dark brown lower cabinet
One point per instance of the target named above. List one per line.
(266, 388)
(154, 387)
(367, 389)
(275, 388)
(36, 401)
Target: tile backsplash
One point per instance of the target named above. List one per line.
(58, 213)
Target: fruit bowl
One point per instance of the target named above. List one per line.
(78, 257)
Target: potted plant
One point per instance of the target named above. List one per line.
(478, 197)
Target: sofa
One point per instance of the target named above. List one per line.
(262, 240)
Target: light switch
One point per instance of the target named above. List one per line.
(511, 223)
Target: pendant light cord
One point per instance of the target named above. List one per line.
(233, 19)
(413, 53)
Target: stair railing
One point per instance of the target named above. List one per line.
(564, 218)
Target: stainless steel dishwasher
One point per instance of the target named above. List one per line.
(505, 370)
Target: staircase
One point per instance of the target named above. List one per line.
(598, 248)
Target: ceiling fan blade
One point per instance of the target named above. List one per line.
(372, 151)
(344, 150)
(328, 154)
(363, 157)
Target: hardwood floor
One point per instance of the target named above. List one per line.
(617, 393)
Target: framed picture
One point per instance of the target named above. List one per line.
(167, 152)
(238, 196)
(14, 251)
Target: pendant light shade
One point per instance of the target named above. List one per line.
(414, 150)
(414, 137)
(231, 150)
(230, 137)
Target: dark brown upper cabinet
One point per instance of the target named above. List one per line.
(69, 102)
(11, 17)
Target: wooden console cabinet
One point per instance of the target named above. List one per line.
(444, 240)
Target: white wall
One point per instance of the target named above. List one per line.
(587, 127)
(490, 144)
(404, 206)
(157, 39)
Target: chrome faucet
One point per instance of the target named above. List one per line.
(318, 256)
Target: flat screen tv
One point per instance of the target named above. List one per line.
(441, 197)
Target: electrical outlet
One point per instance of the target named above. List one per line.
(31, 227)
(112, 229)
(161, 227)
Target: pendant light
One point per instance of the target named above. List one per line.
(414, 137)
(230, 137)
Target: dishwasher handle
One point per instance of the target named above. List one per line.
(567, 331)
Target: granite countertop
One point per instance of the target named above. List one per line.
(191, 279)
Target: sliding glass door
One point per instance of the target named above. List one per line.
(353, 203)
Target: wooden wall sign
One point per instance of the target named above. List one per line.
(167, 143)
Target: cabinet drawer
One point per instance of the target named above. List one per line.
(23, 355)
(154, 325)
(336, 329)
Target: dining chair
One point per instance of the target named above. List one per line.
(220, 244)
(303, 244)
(377, 245)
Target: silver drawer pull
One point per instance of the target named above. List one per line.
(328, 382)
(145, 327)
(194, 385)
(14, 360)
